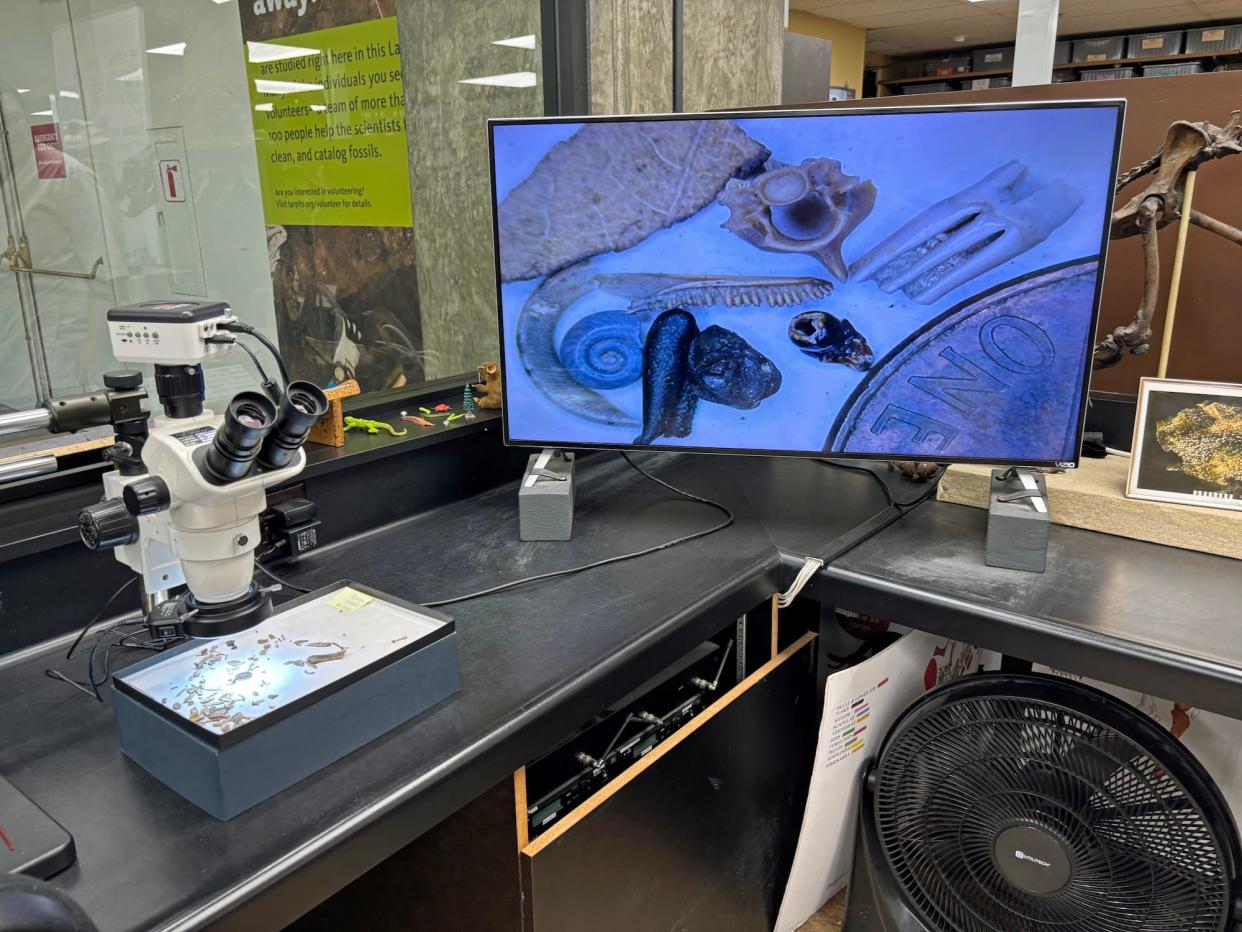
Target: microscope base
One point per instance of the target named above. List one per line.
(229, 722)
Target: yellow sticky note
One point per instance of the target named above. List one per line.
(349, 600)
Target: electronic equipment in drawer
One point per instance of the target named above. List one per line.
(626, 732)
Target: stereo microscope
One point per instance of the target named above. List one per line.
(182, 505)
(229, 721)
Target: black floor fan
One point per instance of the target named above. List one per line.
(1019, 803)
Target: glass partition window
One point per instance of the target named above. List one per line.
(129, 154)
(319, 166)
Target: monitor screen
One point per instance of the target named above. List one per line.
(918, 283)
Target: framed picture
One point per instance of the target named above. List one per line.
(1188, 443)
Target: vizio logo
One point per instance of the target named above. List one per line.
(1023, 856)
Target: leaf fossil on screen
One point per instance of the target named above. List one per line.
(611, 185)
(646, 293)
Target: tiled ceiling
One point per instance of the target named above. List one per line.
(905, 27)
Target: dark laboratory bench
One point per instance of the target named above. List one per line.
(536, 661)
(1157, 619)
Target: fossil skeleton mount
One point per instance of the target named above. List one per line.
(1187, 146)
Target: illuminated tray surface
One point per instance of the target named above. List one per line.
(224, 689)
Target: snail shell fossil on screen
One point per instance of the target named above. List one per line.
(808, 208)
(603, 350)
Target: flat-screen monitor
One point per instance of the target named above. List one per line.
(915, 283)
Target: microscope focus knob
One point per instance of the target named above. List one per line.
(123, 379)
(146, 496)
(106, 525)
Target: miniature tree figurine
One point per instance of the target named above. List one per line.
(467, 402)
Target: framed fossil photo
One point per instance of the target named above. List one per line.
(1188, 443)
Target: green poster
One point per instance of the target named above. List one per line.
(329, 126)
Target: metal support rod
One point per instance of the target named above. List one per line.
(34, 419)
(20, 262)
(152, 599)
(24, 469)
(1212, 225)
(1175, 284)
(10, 209)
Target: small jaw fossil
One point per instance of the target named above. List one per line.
(808, 208)
(968, 234)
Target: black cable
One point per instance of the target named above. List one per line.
(608, 560)
(933, 484)
(98, 615)
(888, 493)
(57, 675)
(893, 502)
(270, 388)
(91, 686)
(241, 327)
(617, 737)
(107, 661)
(283, 582)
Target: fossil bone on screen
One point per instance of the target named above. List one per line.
(915, 284)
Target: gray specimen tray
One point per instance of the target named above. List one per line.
(230, 721)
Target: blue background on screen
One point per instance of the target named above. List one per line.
(915, 160)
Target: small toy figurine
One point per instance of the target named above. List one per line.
(489, 386)
(442, 409)
(372, 427)
(467, 402)
(415, 419)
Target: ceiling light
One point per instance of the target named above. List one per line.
(517, 42)
(514, 79)
(177, 48)
(959, 38)
(43, 113)
(263, 107)
(263, 86)
(135, 75)
(270, 51)
(219, 2)
(23, 90)
(72, 95)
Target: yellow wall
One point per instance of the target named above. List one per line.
(848, 45)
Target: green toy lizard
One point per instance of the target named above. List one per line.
(371, 427)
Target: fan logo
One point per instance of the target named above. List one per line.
(1023, 856)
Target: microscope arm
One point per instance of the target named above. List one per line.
(119, 402)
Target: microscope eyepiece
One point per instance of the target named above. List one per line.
(247, 420)
(302, 405)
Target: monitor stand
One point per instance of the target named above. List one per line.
(1017, 520)
(546, 497)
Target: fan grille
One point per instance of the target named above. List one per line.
(1140, 855)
